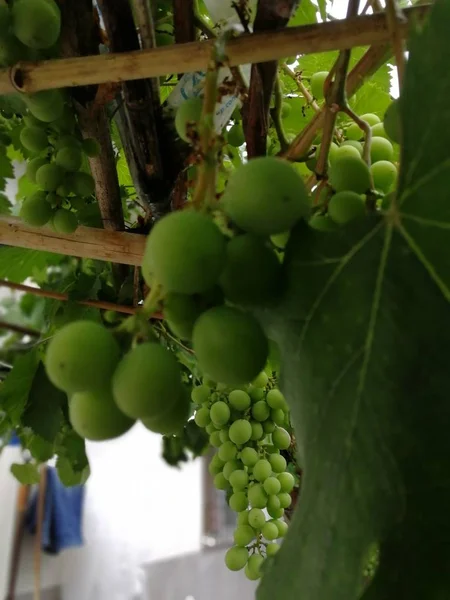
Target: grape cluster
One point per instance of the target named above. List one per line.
(248, 427)
(110, 387)
(48, 134)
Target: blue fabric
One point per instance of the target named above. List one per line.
(14, 441)
(62, 524)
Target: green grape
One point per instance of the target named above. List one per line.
(224, 436)
(354, 144)
(275, 513)
(111, 316)
(281, 438)
(90, 147)
(202, 417)
(185, 252)
(220, 413)
(173, 419)
(242, 518)
(252, 272)
(287, 481)
(354, 132)
(95, 416)
(256, 518)
(371, 119)
(68, 141)
(345, 207)
(350, 173)
(35, 210)
(262, 470)
(33, 139)
(187, 117)
(344, 151)
(240, 432)
(261, 380)
(392, 123)
(381, 149)
(181, 311)
(275, 399)
(11, 49)
(243, 535)
(249, 456)
(272, 549)
(278, 416)
(273, 503)
(282, 527)
(260, 411)
(257, 497)
(236, 558)
(266, 196)
(33, 165)
(216, 465)
(253, 567)
(378, 130)
(256, 393)
(384, 175)
(230, 345)
(47, 105)
(270, 531)
(257, 431)
(69, 158)
(239, 480)
(210, 428)
(55, 201)
(36, 23)
(272, 485)
(285, 500)
(227, 451)
(64, 221)
(230, 467)
(236, 135)
(317, 83)
(82, 357)
(268, 426)
(200, 394)
(322, 223)
(66, 122)
(49, 177)
(81, 184)
(239, 400)
(238, 501)
(220, 483)
(147, 381)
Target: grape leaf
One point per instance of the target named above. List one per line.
(364, 331)
(16, 264)
(305, 14)
(5, 205)
(15, 389)
(27, 474)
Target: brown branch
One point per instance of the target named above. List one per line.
(184, 21)
(19, 329)
(259, 47)
(395, 19)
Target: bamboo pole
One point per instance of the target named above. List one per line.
(181, 58)
(86, 242)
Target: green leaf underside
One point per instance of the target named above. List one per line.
(27, 474)
(15, 390)
(365, 332)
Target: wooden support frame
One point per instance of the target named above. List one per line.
(181, 58)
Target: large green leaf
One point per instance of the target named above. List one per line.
(16, 264)
(15, 390)
(365, 333)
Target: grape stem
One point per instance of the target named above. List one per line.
(301, 86)
(367, 132)
(152, 300)
(275, 113)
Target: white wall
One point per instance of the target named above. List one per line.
(137, 510)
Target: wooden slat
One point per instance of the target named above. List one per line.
(86, 242)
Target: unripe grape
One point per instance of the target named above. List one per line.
(81, 184)
(384, 175)
(285, 500)
(239, 480)
(81, 357)
(216, 465)
(275, 399)
(257, 497)
(268, 426)
(33, 139)
(391, 121)
(317, 83)
(322, 223)
(240, 432)
(371, 119)
(262, 470)
(260, 411)
(257, 431)
(270, 531)
(345, 207)
(236, 135)
(272, 549)
(49, 177)
(69, 159)
(236, 558)
(381, 149)
(249, 456)
(273, 503)
(147, 381)
(200, 394)
(354, 132)
(224, 436)
(185, 252)
(256, 393)
(227, 451)
(181, 311)
(266, 196)
(349, 173)
(256, 518)
(281, 438)
(346, 151)
(68, 141)
(202, 417)
(36, 23)
(253, 567)
(46, 105)
(187, 117)
(243, 348)
(261, 380)
(278, 463)
(219, 413)
(95, 416)
(231, 466)
(278, 416)
(238, 501)
(243, 535)
(242, 518)
(220, 483)
(287, 481)
(173, 419)
(282, 527)
(214, 439)
(239, 400)
(90, 147)
(272, 485)
(33, 165)
(354, 144)
(65, 221)
(210, 428)
(275, 513)
(35, 210)
(379, 131)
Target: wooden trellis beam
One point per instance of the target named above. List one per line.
(181, 58)
(86, 242)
